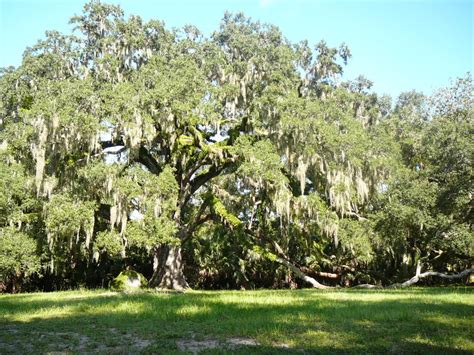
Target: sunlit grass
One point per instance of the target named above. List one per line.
(420, 320)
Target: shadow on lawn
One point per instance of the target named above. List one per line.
(280, 321)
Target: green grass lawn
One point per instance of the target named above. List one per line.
(418, 320)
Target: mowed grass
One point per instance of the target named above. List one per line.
(418, 320)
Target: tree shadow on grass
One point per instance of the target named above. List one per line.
(280, 321)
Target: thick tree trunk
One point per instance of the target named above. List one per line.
(168, 269)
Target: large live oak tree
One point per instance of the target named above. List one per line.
(134, 136)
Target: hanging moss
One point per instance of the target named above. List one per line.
(39, 154)
(222, 212)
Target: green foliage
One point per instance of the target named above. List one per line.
(222, 212)
(18, 255)
(147, 235)
(16, 201)
(356, 239)
(426, 213)
(66, 218)
(108, 241)
(264, 253)
(156, 197)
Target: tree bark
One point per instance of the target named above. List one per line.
(327, 275)
(418, 276)
(423, 275)
(168, 269)
(301, 274)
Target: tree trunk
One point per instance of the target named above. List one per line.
(168, 269)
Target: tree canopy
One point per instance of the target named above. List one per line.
(238, 159)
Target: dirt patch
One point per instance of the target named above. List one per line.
(241, 342)
(281, 345)
(196, 346)
(134, 341)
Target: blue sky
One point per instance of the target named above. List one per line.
(398, 44)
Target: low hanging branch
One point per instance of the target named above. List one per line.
(418, 276)
(301, 274)
(324, 274)
(281, 258)
(408, 283)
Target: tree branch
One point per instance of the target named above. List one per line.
(145, 158)
(197, 220)
(111, 143)
(119, 151)
(284, 260)
(420, 276)
(197, 164)
(200, 180)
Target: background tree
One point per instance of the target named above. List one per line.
(425, 213)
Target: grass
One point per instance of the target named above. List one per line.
(418, 320)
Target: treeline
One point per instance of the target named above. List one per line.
(237, 160)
